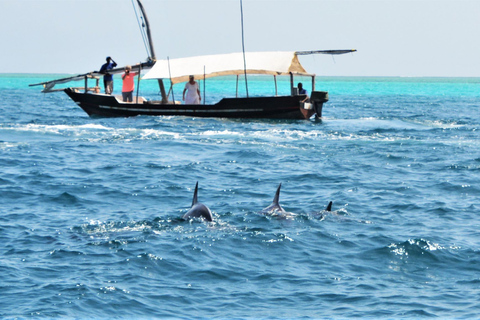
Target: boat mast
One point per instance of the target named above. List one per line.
(149, 35)
(152, 52)
(243, 48)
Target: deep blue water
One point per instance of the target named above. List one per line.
(90, 208)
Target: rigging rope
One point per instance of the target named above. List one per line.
(142, 30)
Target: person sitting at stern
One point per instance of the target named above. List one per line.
(302, 91)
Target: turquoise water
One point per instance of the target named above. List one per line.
(89, 208)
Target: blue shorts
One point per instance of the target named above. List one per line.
(127, 96)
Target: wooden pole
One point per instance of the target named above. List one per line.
(204, 77)
(162, 91)
(243, 49)
(138, 80)
(291, 83)
(171, 83)
(237, 88)
(149, 35)
(275, 79)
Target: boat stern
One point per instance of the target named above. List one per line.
(317, 99)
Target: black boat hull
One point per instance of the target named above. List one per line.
(277, 107)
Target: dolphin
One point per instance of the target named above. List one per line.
(321, 215)
(329, 206)
(198, 209)
(275, 209)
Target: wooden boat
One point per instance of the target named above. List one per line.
(293, 106)
(281, 107)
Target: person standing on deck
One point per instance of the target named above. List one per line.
(193, 92)
(108, 78)
(128, 84)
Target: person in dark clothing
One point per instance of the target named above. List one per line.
(302, 91)
(108, 78)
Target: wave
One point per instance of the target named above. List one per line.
(92, 131)
(56, 129)
(415, 248)
(296, 136)
(65, 199)
(10, 145)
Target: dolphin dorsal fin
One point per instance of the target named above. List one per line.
(194, 202)
(329, 207)
(277, 196)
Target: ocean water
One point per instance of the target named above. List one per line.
(90, 207)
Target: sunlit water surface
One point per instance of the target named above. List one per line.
(90, 208)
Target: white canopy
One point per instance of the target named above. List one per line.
(275, 63)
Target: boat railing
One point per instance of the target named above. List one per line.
(138, 99)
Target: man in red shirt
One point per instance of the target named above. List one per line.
(128, 84)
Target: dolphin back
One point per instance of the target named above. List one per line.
(276, 199)
(198, 210)
(329, 206)
(275, 206)
(195, 200)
